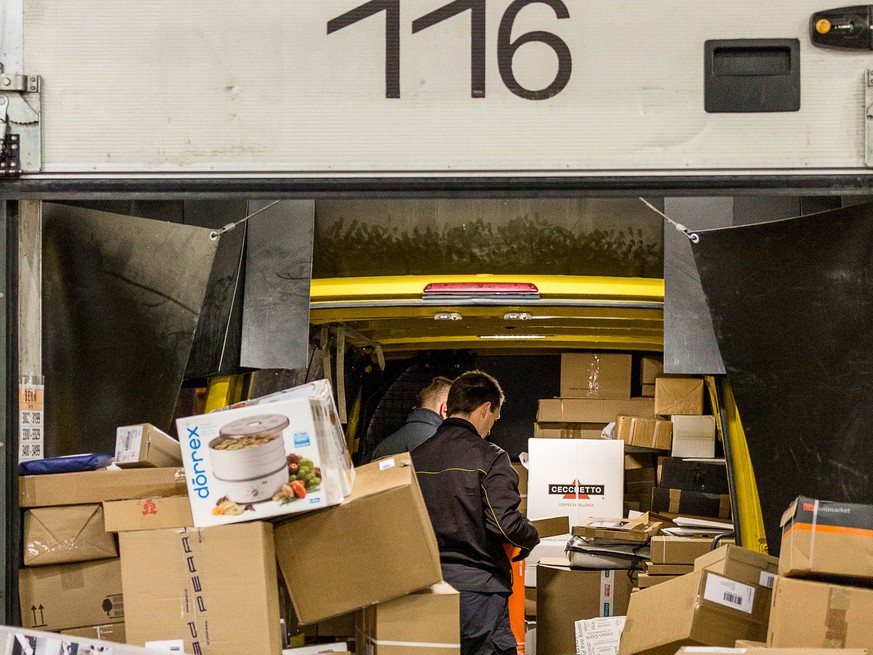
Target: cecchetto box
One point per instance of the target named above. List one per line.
(824, 539)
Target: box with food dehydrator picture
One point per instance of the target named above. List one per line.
(281, 454)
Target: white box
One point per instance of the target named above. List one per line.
(577, 478)
(548, 547)
(693, 436)
(241, 463)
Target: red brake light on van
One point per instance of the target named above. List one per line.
(483, 288)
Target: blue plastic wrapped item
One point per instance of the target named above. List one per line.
(67, 464)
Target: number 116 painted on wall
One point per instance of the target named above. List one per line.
(506, 47)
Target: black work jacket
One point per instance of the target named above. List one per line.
(471, 493)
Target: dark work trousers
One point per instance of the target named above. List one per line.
(485, 626)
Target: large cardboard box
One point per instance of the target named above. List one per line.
(145, 446)
(693, 436)
(569, 431)
(679, 550)
(566, 595)
(701, 608)
(575, 478)
(266, 460)
(806, 613)
(595, 375)
(678, 395)
(822, 539)
(148, 514)
(57, 535)
(105, 632)
(71, 595)
(422, 622)
(740, 564)
(691, 503)
(591, 410)
(215, 588)
(746, 647)
(377, 545)
(96, 486)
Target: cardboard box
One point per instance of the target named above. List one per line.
(645, 580)
(707, 476)
(693, 436)
(575, 478)
(214, 588)
(636, 530)
(249, 463)
(670, 569)
(595, 375)
(740, 564)
(148, 514)
(760, 648)
(647, 390)
(425, 621)
(522, 478)
(591, 410)
(552, 527)
(679, 550)
(530, 601)
(96, 486)
(548, 548)
(822, 539)
(634, 461)
(691, 503)
(569, 431)
(806, 613)
(58, 535)
(650, 369)
(748, 643)
(71, 595)
(384, 522)
(678, 395)
(644, 432)
(566, 595)
(106, 632)
(145, 446)
(701, 608)
(339, 626)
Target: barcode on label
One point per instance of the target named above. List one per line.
(733, 598)
(729, 593)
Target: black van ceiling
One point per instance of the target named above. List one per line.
(792, 307)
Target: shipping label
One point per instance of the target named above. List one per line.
(729, 593)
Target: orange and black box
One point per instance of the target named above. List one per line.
(827, 540)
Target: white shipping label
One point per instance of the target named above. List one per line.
(31, 406)
(599, 636)
(767, 579)
(128, 441)
(729, 593)
(386, 464)
(169, 645)
(607, 593)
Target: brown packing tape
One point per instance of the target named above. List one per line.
(836, 625)
(675, 498)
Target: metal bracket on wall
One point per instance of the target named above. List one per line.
(868, 119)
(20, 138)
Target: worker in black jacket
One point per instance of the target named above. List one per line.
(471, 493)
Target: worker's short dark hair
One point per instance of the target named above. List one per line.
(472, 389)
(433, 390)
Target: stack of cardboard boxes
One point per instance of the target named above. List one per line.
(202, 551)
